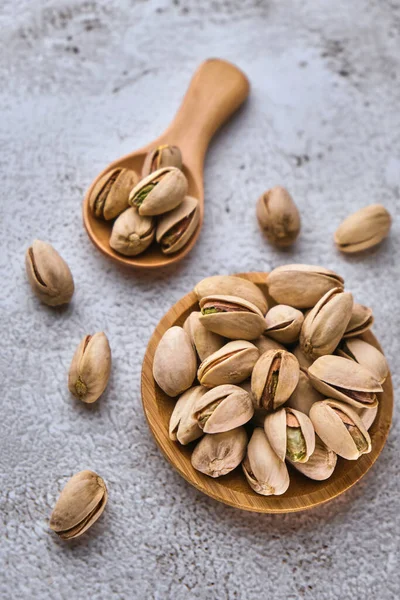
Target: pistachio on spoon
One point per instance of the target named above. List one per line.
(162, 156)
(132, 234)
(176, 227)
(110, 195)
(159, 192)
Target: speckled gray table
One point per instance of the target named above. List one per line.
(83, 82)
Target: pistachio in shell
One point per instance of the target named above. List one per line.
(233, 363)
(232, 285)
(361, 320)
(321, 463)
(90, 368)
(183, 427)
(162, 156)
(343, 379)
(174, 364)
(304, 394)
(49, 275)
(265, 343)
(365, 354)
(204, 341)
(367, 415)
(304, 361)
(265, 472)
(301, 286)
(274, 378)
(218, 454)
(159, 192)
(222, 408)
(231, 317)
(325, 324)
(340, 428)
(132, 234)
(283, 323)
(110, 194)
(290, 433)
(176, 227)
(80, 504)
(278, 216)
(363, 229)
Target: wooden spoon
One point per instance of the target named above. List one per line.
(217, 89)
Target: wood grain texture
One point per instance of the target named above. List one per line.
(232, 489)
(216, 91)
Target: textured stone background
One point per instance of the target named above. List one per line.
(85, 82)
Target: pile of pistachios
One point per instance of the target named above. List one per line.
(266, 387)
(155, 208)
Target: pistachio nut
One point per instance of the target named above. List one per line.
(49, 275)
(110, 194)
(343, 379)
(265, 343)
(340, 428)
(220, 453)
(321, 463)
(232, 285)
(304, 395)
(162, 156)
(366, 355)
(301, 286)
(274, 378)
(182, 424)
(232, 317)
(265, 472)
(176, 227)
(283, 323)
(363, 229)
(304, 361)
(80, 504)
(360, 321)
(367, 415)
(325, 324)
(291, 434)
(223, 408)
(159, 192)
(90, 368)
(278, 216)
(175, 364)
(233, 363)
(132, 234)
(205, 342)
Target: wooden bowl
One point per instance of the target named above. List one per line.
(232, 489)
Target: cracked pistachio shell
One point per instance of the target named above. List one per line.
(233, 363)
(274, 378)
(232, 285)
(367, 415)
(360, 321)
(283, 323)
(363, 229)
(232, 317)
(80, 504)
(223, 408)
(340, 428)
(290, 433)
(132, 234)
(304, 361)
(304, 394)
(204, 342)
(110, 194)
(159, 192)
(278, 216)
(321, 463)
(366, 355)
(265, 343)
(301, 286)
(49, 275)
(90, 368)
(325, 324)
(176, 227)
(265, 472)
(162, 156)
(183, 426)
(343, 379)
(218, 454)
(175, 364)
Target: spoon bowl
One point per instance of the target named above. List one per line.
(216, 91)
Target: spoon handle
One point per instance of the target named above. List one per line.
(216, 90)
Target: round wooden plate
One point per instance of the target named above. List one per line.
(232, 489)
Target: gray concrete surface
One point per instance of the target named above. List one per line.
(84, 82)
